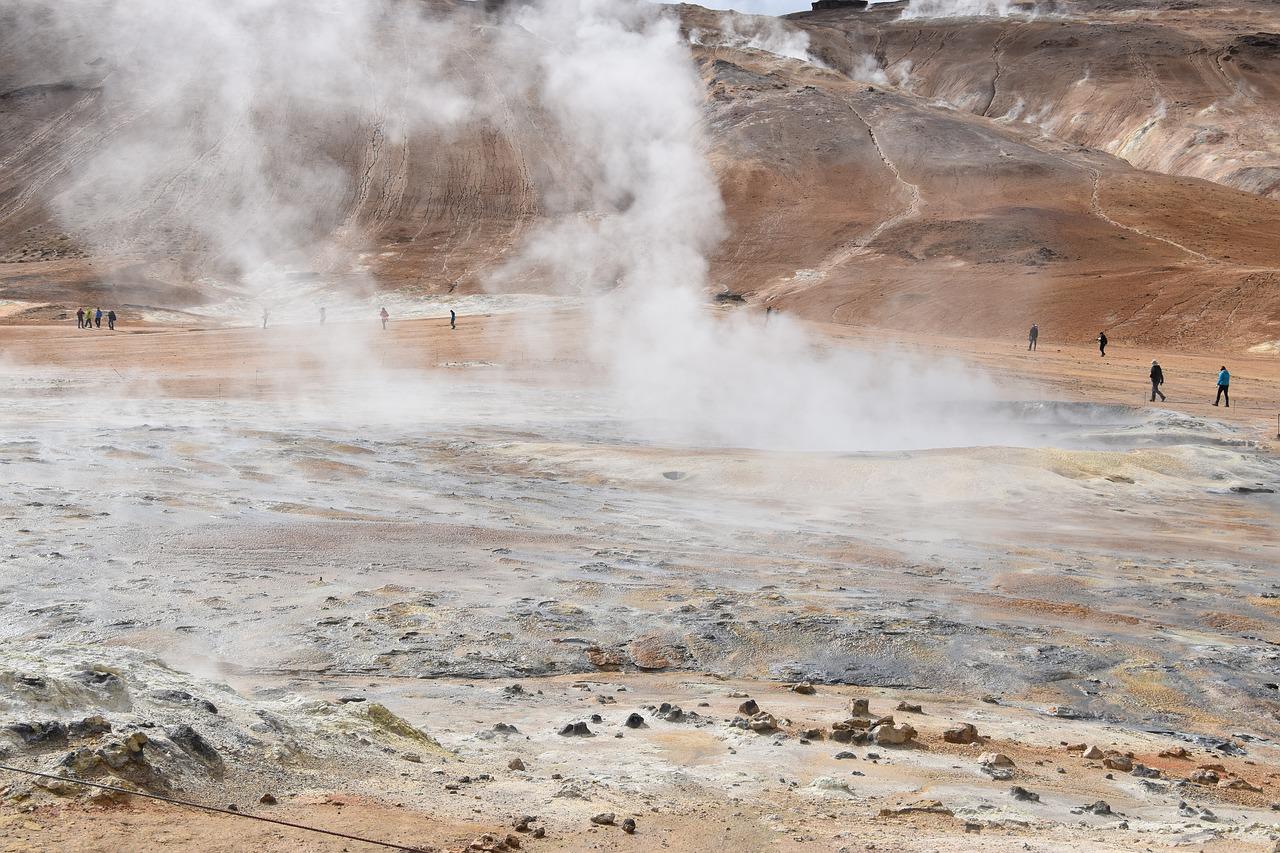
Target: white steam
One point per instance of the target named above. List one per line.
(758, 32)
(958, 9)
(220, 119)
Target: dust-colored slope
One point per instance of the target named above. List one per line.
(1094, 167)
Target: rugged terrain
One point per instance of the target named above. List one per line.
(1086, 165)
(662, 568)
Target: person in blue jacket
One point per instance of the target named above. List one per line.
(1224, 383)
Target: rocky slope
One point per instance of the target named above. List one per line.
(1084, 165)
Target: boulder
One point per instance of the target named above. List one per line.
(995, 759)
(893, 735)
(749, 708)
(1093, 753)
(860, 707)
(962, 733)
(1117, 761)
(604, 819)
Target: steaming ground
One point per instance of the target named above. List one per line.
(466, 511)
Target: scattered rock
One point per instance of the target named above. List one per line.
(860, 707)
(516, 764)
(962, 733)
(505, 729)
(1020, 793)
(629, 826)
(608, 660)
(1116, 761)
(804, 688)
(604, 819)
(1093, 753)
(893, 735)
(762, 723)
(749, 708)
(845, 754)
(578, 729)
(1239, 785)
(634, 721)
(1142, 771)
(909, 708)
(1176, 752)
(268, 799)
(1101, 807)
(995, 759)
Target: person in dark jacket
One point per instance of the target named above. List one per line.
(384, 316)
(1224, 383)
(453, 319)
(1102, 343)
(111, 319)
(97, 318)
(1033, 336)
(79, 318)
(1157, 379)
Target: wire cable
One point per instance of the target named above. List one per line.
(186, 803)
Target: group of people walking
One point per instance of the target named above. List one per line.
(1157, 373)
(91, 318)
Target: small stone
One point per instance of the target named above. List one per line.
(524, 822)
(1021, 793)
(749, 708)
(596, 718)
(1116, 761)
(516, 764)
(578, 729)
(1101, 807)
(909, 707)
(505, 728)
(268, 799)
(995, 759)
(604, 819)
(1240, 785)
(1175, 752)
(1142, 771)
(762, 723)
(539, 832)
(860, 707)
(1077, 747)
(634, 721)
(1093, 753)
(804, 688)
(629, 826)
(845, 754)
(512, 841)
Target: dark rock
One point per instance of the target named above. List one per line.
(629, 826)
(268, 799)
(194, 744)
(845, 754)
(89, 727)
(1020, 793)
(578, 729)
(634, 721)
(909, 707)
(963, 733)
(505, 728)
(749, 708)
(516, 764)
(604, 819)
(1101, 807)
(46, 733)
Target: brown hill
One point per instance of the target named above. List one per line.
(1102, 165)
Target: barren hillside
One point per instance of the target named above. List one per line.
(1088, 166)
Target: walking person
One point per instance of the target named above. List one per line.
(1102, 344)
(79, 318)
(265, 315)
(97, 318)
(1033, 336)
(321, 315)
(385, 316)
(1224, 384)
(1157, 379)
(88, 318)
(453, 319)
(111, 319)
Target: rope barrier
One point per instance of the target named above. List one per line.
(217, 810)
